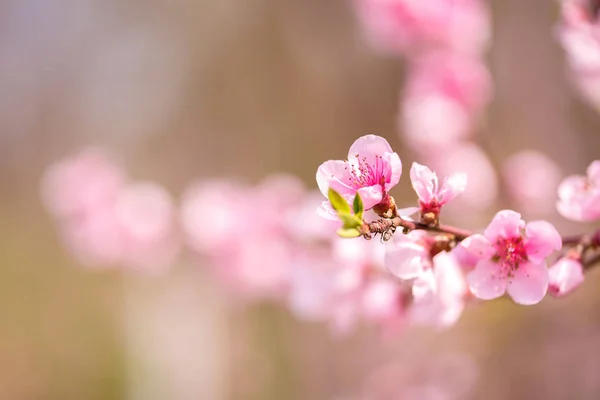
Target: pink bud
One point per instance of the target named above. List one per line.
(566, 275)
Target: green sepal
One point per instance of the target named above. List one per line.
(338, 203)
(348, 233)
(358, 206)
(350, 220)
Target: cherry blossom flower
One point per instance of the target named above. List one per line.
(512, 258)
(443, 100)
(407, 255)
(371, 170)
(579, 196)
(531, 179)
(432, 194)
(440, 293)
(82, 183)
(566, 275)
(409, 26)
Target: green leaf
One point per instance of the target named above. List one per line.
(348, 233)
(350, 221)
(338, 203)
(358, 206)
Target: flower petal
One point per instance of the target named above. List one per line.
(565, 276)
(479, 246)
(393, 170)
(327, 212)
(334, 174)
(485, 280)
(371, 196)
(425, 288)
(453, 186)
(529, 283)
(541, 239)
(424, 182)
(369, 146)
(593, 172)
(506, 223)
(404, 258)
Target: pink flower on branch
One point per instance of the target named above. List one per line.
(433, 194)
(512, 258)
(579, 196)
(371, 170)
(566, 275)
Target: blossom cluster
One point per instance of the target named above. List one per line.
(277, 240)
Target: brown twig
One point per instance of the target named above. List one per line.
(383, 226)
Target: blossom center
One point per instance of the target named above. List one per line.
(362, 174)
(510, 253)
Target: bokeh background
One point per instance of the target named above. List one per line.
(188, 89)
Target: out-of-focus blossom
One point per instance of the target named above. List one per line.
(469, 158)
(512, 258)
(432, 194)
(579, 34)
(407, 255)
(566, 275)
(579, 196)
(531, 179)
(210, 213)
(304, 224)
(443, 100)
(106, 221)
(442, 292)
(82, 183)
(408, 26)
(371, 170)
(146, 218)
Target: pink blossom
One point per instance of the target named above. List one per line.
(409, 26)
(512, 258)
(579, 196)
(579, 33)
(566, 275)
(440, 293)
(145, 215)
(371, 170)
(407, 256)
(531, 179)
(79, 184)
(443, 100)
(432, 194)
(482, 190)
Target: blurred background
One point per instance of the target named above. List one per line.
(189, 89)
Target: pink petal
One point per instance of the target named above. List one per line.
(404, 258)
(381, 300)
(485, 281)
(593, 172)
(571, 186)
(407, 212)
(425, 287)
(453, 186)
(424, 182)
(541, 239)
(451, 283)
(334, 174)
(529, 283)
(394, 170)
(506, 223)
(565, 276)
(371, 196)
(327, 212)
(369, 146)
(478, 245)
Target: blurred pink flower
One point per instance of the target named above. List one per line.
(443, 100)
(440, 293)
(531, 179)
(579, 196)
(432, 195)
(482, 190)
(512, 258)
(407, 255)
(408, 26)
(566, 275)
(81, 183)
(146, 217)
(579, 34)
(371, 170)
